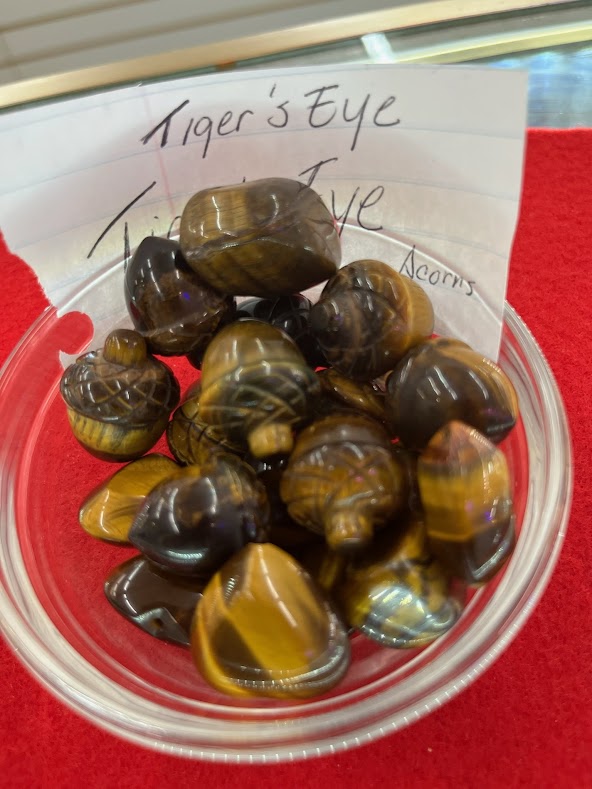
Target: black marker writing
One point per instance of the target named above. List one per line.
(423, 273)
(165, 125)
(118, 217)
(282, 120)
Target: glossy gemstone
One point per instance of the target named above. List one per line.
(162, 604)
(108, 512)
(264, 629)
(343, 480)
(466, 494)
(442, 380)
(368, 317)
(119, 398)
(262, 238)
(170, 306)
(256, 387)
(192, 524)
(398, 594)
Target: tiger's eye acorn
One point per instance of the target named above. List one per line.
(368, 317)
(192, 524)
(398, 594)
(262, 238)
(108, 512)
(442, 380)
(465, 489)
(119, 398)
(256, 387)
(169, 305)
(263, 628)
(190, 439)
(160, 603)
(343, 480)
(292, 315)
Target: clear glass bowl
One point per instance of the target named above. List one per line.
(54, 613)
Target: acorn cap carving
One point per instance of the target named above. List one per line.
(119, 398)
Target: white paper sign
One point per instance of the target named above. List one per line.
(428, 156)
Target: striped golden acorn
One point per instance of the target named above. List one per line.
(466, 493)
(119, 398)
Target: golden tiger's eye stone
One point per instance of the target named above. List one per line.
(190, 439)
(263, 628)
(108, 512)
(398, 594)
(193, 523)
(262, 238)
(465, 490)
(442, 380)
(368, 317)
(119, 398)
(168, 303)
(256, 387)
(162, 604)
(343, 480)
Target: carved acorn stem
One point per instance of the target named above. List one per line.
(125, 347)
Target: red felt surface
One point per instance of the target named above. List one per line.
(528, 720)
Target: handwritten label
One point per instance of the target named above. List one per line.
(429, 159)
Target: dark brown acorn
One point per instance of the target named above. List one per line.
(291, 314)
(262, 238)
(119, 398)
(190, 439)
(368, 317)
(160, 603)
(108, 512)
(263, 628)
(343, 480)
(466, 494)
(192, 524)
(397, 594)
(442, 380)
(169, 305)
(256, 387)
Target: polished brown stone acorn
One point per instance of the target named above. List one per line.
(170, 306)
(263, 628)
(442, 380)
(190, 439)
(466, 492)
(119, 398)
(343, 480)
(160, 603)
(368, 317)
(108, 512)
(256, 387)
(398, 594)
(263, 238)
(192, 524)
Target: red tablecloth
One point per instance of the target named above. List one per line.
(528, 720)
